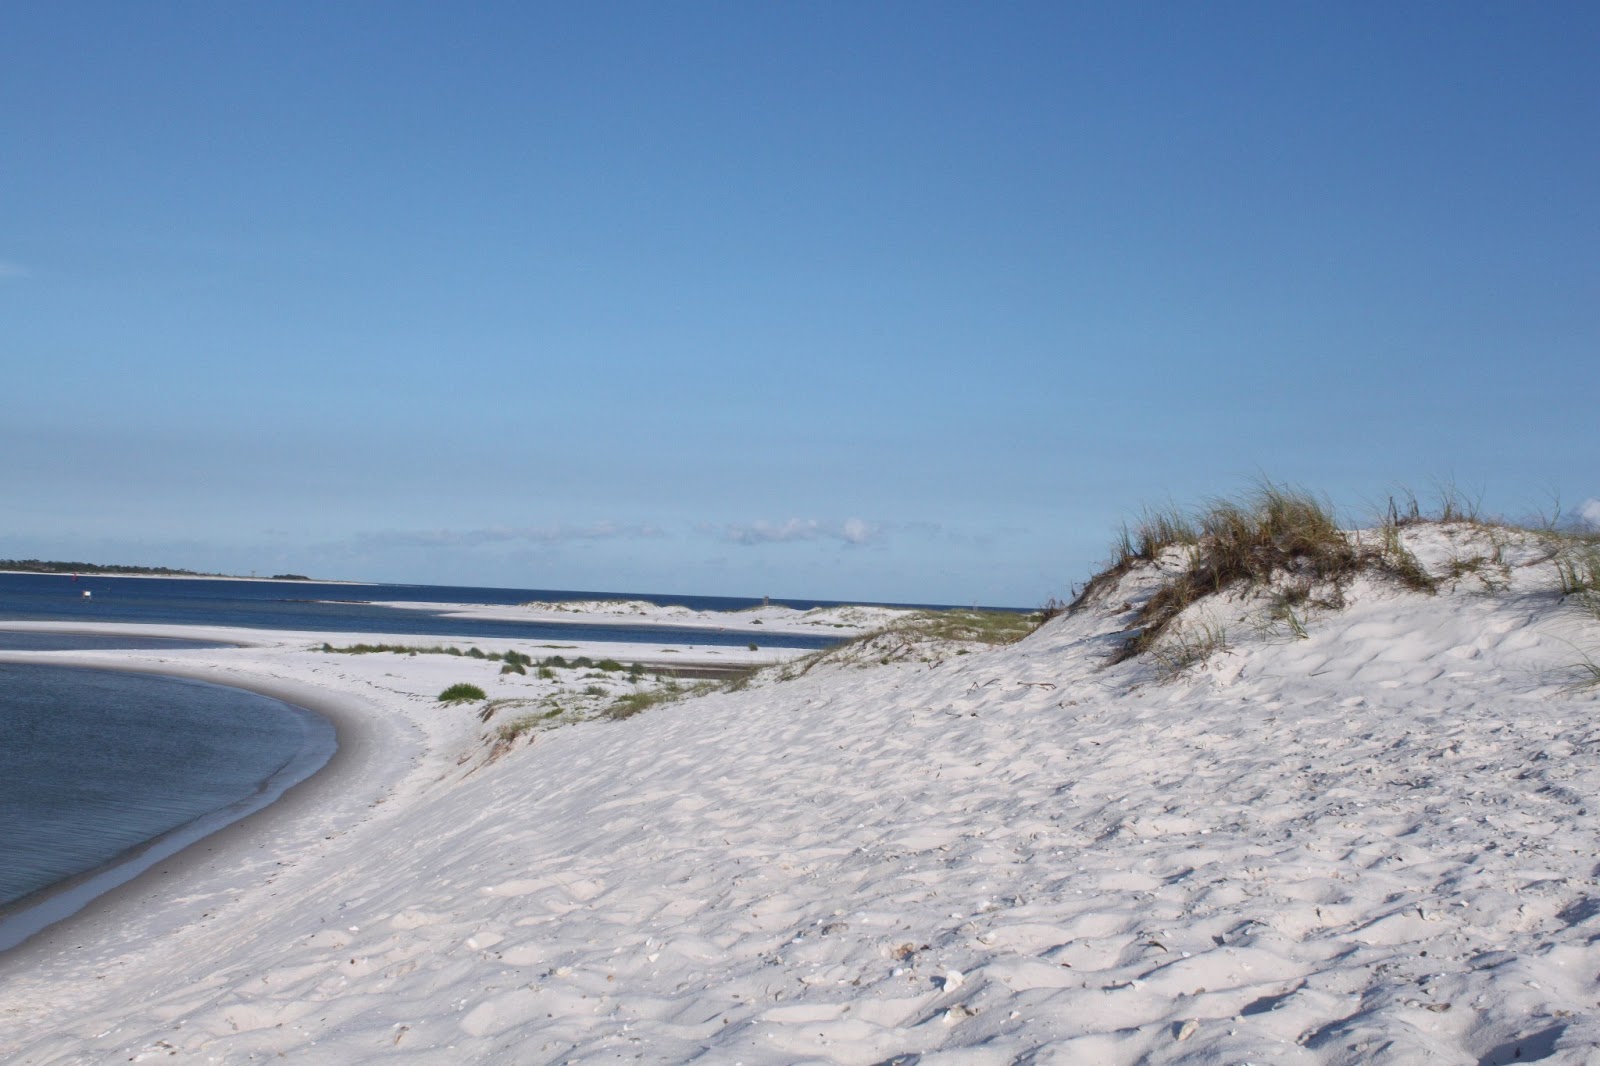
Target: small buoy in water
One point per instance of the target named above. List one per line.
(86, 592)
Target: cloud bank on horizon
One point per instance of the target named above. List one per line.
(850, 531)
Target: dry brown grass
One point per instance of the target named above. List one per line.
(1273, 537)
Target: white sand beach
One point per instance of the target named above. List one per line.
(1366, 833)
(824, 621)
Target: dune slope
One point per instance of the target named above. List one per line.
(1375, 842)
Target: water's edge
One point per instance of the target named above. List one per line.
(24, 918)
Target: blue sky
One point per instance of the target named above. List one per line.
(892, 301)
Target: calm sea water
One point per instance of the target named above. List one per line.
(343, 608)
(103, 773)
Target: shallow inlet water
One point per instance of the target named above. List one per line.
(324, 607)
(104, 773)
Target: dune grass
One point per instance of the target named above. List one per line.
(1588, 673)
(1274, 536)
(513, 662)
(925, 636)
(509, 731)
(1288, 542)
(631, 703)
(1187, 645)
(978, 626)
(1578, 568)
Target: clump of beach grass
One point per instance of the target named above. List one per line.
(1184, 646)
(1156, 530)
(1152, 533)
(629, 704)
(1578, 568)
(1452, 505)
(1588, 673)
(524, 723)
(495, 706)
(516, 663)
(462, 693)
(1273, 537)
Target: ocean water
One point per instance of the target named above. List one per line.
(344, 608)
(103, 773)
(29, 640)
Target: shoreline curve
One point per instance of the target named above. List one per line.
(354, 752)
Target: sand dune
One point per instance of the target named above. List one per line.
(1376, 843)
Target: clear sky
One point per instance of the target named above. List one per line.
(881, 301)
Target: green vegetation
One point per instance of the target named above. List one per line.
(1274, 537)
(975, 626)
(1187, 645)
(925, 636)
(515, 661)
(1287, 544)
(290, 577)
(631, 703)
(462, 693)
(397, 649)
(1578, 568)
(1155, 532)
(508, 732)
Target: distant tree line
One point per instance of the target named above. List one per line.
(50, 566)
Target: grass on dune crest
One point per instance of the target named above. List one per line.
(1578, 570)
(1274, 536)
(1289, 541)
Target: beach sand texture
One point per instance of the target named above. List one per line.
(1377, 843)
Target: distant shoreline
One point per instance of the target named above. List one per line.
(187, 576)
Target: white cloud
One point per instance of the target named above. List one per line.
(850, 531)
(11, 270)
(855, 531)
(1589, 511)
